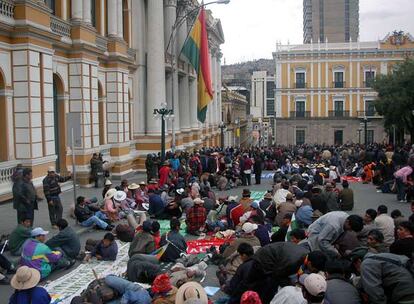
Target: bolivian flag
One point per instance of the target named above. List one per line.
(196, 50)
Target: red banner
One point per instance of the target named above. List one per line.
(352, 179)
(201, 246)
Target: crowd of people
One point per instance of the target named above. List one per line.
(299, 243)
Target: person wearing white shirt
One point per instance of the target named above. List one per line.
(385, 224)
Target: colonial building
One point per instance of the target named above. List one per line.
(323, 90)
(234, 109)
(99, 67)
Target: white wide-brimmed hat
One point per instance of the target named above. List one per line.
(110, 193)
(198, 200)
(25, 278)
(108, 182)
(249, 227)
(133, 186)
(120, 196)
(51, 169)
(191, 291)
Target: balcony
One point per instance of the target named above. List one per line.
(60, 26)
(368, 114)
(300, 85)
(338, 84)
(338, 114)
(300, 114)
(7, 8)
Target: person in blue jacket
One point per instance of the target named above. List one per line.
(26, 290)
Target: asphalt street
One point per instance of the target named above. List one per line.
(365, 197)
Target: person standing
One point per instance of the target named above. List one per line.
(257, 166)
(247, 170)
(51, 189)
(24, 196)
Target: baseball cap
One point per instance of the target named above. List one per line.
(314, 283)
(38, 231)
(249, 227)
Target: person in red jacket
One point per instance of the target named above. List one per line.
(165, 174)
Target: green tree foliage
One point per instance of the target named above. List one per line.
(395, 99)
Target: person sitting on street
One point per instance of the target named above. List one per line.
(385, 224)
(176, 241)
(162, 291)
(326, 230)
(19, 235)
(37, 255)
(88, 218)
(405, 243)
(143, 242)
(369, 224)
(247, 236)
(237, 285)
(129, 292)
(196, 217)
(156, 205)
(111, 207)
(66, 241)
(375, 242)
(104, 250)
(25, 287)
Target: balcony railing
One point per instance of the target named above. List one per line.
(338, 114)
(300, 114)
(338, 84)
(369, 114)
(300, 85)
(7, 8)
(6, 171)
(60, 26)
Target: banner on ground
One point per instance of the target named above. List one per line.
(201, 246)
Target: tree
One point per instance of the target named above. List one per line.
(395, 99)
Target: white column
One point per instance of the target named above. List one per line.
(112, 18)
(87, 18)
(156, 64)
(193, 104)
(64, 10)
(184, 104)
(103, 14)
(170, 16)
(138, 25)
(77, 9)
(219, 105)
(120, 19)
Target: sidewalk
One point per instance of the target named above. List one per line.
(8, 214)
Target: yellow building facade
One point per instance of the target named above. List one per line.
(99, 67)
(323, 91)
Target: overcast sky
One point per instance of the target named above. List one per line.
(252, 27)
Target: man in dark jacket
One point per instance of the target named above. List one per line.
(257, 167)
(66, 241)
(346, 197)
(384, 276)
(24, 196)
(86, 217)
(51, 189)
(272, 266)
(237, 284)
(176, 241)
(19, 235)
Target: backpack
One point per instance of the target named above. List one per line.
(99, 289)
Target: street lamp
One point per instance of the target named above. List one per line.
(222, 127)
(171, 45)
(359, 135)
(163, 113)
(365, 131)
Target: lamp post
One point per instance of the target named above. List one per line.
(359, 135)
(171, 46)
(163, 113)
(222, 127)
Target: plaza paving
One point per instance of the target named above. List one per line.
(365, 197)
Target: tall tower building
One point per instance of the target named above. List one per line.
(335, 20)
